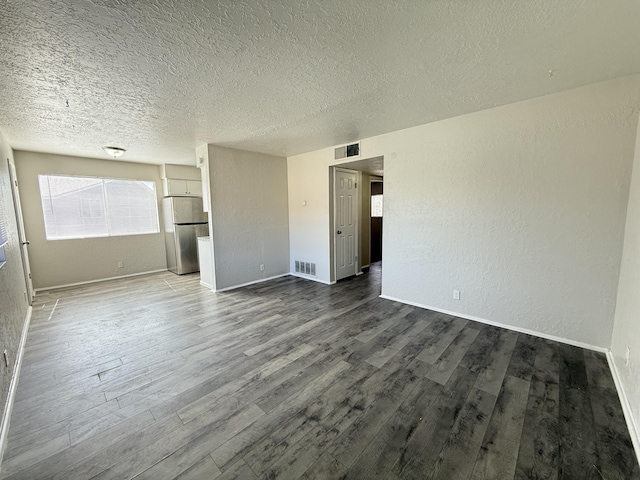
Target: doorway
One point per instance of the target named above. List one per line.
(24, 243)
(368, 173)
(345, 222)
(376, 220)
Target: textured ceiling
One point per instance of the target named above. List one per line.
(160, 77)
(372, 166)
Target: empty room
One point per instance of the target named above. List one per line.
(354, 239)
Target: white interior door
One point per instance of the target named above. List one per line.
(24, 243)
(345, 222)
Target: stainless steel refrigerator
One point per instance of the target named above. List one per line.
(184, 222)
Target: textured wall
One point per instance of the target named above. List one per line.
(13, 302)
(62, 262)
(249, 215)
(309, 227)
(626, 328)
(521, 208)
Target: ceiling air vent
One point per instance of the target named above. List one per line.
(347, 151)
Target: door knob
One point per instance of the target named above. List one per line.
(339, 232)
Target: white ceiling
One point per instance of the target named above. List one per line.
(160, 77)
(372, 166)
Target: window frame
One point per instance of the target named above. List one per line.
(50, 236)
(4, 238)
(381, 206)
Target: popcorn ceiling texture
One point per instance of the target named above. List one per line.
(161, 77)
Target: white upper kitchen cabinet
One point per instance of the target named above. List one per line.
(181, 180)
(177, 186)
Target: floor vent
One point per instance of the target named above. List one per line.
(306, 268)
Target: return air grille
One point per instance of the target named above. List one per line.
(347, 151)
(306, 268)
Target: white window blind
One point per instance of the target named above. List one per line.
(84, 207)
(3, 237)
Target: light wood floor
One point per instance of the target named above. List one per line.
(156, 377)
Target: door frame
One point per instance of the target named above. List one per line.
(333, 220)
(24, 253)
(375, 179)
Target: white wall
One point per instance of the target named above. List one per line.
(309, 229)
(521, 208)
(249, 216)
(63, 262)
(626, 327)
(13, 295)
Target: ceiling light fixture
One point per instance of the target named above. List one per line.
(115, 152)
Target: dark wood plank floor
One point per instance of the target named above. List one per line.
(156, 377)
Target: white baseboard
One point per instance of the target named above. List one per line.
(206, 285)
(315, 279)
(632, 425)
(13, 386)
(55, 287)
(226, 289)
(502, 325)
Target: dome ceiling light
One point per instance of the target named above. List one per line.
(114, 152)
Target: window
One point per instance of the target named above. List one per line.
(85, 207)
(376, 205)
(3, 238)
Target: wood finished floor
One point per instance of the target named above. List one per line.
(156, 377)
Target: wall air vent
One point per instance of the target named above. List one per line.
(306, 268)
(352, 150)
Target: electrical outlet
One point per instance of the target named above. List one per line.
(5, 354)
(627, 357)
(262, 267)
(456, 294)
(120, 265)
